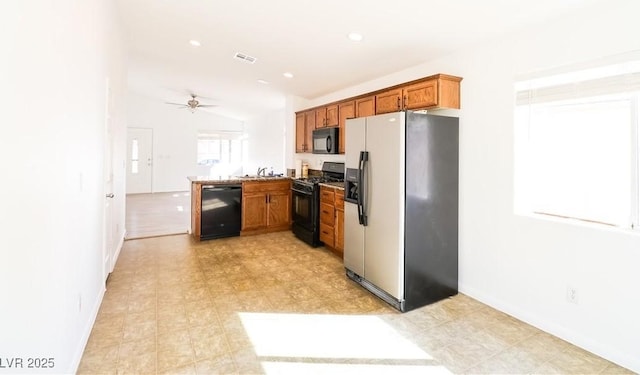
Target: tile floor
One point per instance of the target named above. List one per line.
(271, 304)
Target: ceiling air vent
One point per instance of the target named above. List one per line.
(245, 58)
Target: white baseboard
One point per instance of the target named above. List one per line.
(93, 315)
(118, 249)
(576, 338)
(75, 363)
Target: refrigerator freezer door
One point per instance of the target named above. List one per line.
(385, 176)
(355, 130)
(431, 235)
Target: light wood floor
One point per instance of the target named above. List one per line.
(157, 214)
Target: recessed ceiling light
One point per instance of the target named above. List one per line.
(263, 81)
(356, 37)
(288, 75)
(194, 43)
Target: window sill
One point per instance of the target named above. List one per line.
(579, 223)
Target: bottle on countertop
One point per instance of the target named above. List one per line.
(305, 170)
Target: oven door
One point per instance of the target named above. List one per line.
(302, 208)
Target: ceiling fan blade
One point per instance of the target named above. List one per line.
(174, 103)
(207, 105)
(193, 94)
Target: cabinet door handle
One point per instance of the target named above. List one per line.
(398, 102)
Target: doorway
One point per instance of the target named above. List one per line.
(139, 160)
(158, 214)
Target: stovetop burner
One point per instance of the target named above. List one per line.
(318, 179)
(331, 172)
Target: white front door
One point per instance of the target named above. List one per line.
(139, 160)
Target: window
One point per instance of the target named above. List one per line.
(222, 151)
(577, 145)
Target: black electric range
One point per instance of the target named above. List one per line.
(305, 207)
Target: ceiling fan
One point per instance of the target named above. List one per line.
(193, 104)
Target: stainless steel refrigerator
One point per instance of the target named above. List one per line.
(401, 207)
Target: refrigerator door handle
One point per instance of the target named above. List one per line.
(359, 181)
(362, 165)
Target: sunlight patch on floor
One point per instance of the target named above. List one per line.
(286, 368)
(327, 336)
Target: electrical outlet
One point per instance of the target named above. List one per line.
(572, 294)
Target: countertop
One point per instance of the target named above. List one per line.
(335, 185)
(233, 179)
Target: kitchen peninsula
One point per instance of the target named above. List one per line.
(264, 203)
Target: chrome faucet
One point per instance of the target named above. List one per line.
(262, 171)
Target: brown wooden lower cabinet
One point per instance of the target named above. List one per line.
(332, 218)
(266, 206)
(339, 242)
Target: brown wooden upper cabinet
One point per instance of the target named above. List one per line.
(420, 95)
(300, 133)
(305, 123)
(389, 101)
(437, 91)
(345, 110)
(332, 115)
(366, 106)
(440, 92)
(321, 117)
(327, 116)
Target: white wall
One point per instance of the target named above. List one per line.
(55, 60)
(265, 143)
(175, 134)
(117, 76)
(522, 265)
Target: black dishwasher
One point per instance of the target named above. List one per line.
(221, 211)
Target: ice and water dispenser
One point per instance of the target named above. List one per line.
(351, 185)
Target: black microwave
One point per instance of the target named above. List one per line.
(325, 141)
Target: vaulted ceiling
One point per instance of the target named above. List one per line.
(307, 38)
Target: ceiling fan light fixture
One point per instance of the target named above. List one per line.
(288, 74)
(195, 43)
(192, 104)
